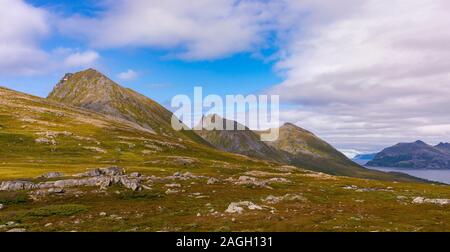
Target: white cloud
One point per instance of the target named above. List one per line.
(81, 59)
(21, 28)
(202, 29)
(128, 75)
(370, 75)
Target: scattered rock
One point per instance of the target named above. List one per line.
(251, 181)
(184, 176)
(418, 200)
(1, 206)
(278, 180)
(132, 184)
(103, 214)
(173, 185)
(56, 190)
(51, 175)
(357, 189)
(171, 191)
(17, 185)
(115, 217)
(238, 207)
(112, 171)
(108, 171)
(135, 174)
(48, 225)
(422, 200)
(212, 181)
(288, 197)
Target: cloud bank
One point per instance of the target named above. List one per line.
(194, 30)
(371, 75)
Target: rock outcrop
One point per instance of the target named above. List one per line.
(102, 177)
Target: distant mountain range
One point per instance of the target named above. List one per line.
(418, 155)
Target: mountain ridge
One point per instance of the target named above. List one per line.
(418, 154)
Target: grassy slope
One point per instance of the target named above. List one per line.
(329, 207)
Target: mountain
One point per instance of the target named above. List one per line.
(300, 142)
(94, 91)
(417, 155)
(295, 146)
(245, 142)
(309, 151)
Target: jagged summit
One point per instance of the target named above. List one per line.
(92, 90)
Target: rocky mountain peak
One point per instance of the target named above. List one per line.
(92, 90)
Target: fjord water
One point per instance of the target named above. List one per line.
(442, 176)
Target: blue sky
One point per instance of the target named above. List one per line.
(158, 75)
(351, 71)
